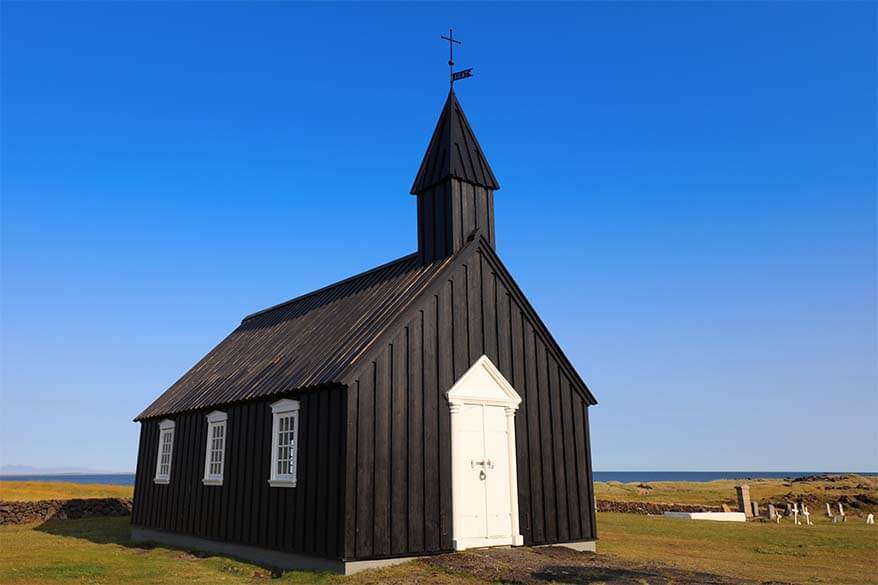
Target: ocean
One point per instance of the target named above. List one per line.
(623, 476)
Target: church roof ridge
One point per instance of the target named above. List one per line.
(328, 287)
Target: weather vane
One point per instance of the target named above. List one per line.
(464, 73)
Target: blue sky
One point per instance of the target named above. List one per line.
(689, 201)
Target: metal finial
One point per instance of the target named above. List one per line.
(451, 74)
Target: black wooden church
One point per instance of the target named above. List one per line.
(416, 408)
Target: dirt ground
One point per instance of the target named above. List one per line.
(537, 566)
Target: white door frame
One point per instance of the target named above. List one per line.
(483, 384)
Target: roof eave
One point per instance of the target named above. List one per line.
(494, 258)
(426, 187)
(223, 405)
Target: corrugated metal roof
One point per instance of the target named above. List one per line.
(454, 152)
(305, 342)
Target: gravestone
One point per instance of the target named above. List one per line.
(828, 510)
(743, 493)
(771, 512)
(755, 505)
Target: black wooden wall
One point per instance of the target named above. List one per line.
(448, 213)
(245, 509)
(398, 482)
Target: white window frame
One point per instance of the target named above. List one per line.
(166, 435)
(283, 409)
(215, 420)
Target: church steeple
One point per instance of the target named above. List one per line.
(454, 185)
(454, 152)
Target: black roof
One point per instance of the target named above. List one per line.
(305, 342)
(454, 152)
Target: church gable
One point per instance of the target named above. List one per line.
(475, 309)
(399, 430)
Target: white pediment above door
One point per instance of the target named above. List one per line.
(483, 384)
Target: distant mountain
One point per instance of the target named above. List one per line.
(31, 470)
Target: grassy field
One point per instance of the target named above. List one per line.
(98, 550)
(762, 490)
(30, 491)
(823, 553)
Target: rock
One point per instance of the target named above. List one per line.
(650, 507)
(22, 512)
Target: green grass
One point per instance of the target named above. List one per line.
(31, 491)
(99, 551)
(823, 553)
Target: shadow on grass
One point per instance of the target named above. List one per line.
(539, 566)
(117, 531)
(583, 575)
(99, 530)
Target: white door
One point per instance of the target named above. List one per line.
(486, 502)
(483, 474)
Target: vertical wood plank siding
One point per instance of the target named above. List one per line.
(245, 509)
(470, 312)
(448, 213)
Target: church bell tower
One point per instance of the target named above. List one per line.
(454, 186)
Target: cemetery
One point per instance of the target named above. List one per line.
(796, 510)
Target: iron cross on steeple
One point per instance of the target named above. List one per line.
(460, 74)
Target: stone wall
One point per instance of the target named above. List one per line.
(23, 512)
(651, 507)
